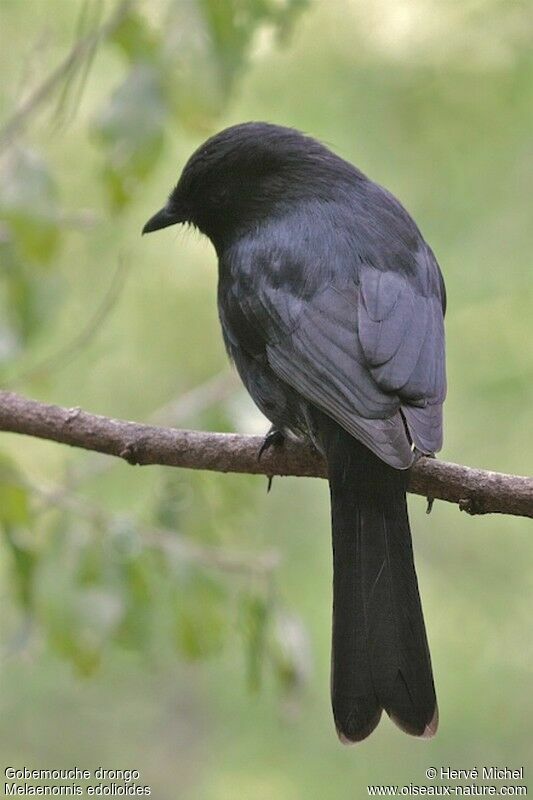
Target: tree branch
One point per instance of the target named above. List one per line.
(474, 490)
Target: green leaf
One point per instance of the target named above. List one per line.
(137, 40)
(28, 204)
(206, 47)
(28, 296)
(80, 601)
(142, 585)
(233, 25)
(15, 517)
(289, 652)
(14, 500)
(200, 615)
(130, 130)
(255, 619)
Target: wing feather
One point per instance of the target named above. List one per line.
(367, 347)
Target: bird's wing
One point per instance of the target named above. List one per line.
(368, 349)
(401, 330)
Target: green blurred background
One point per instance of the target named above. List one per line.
(178, 623)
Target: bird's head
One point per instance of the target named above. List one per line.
(245, 173)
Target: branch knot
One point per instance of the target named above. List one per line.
(131, 453)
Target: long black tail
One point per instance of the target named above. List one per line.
(380, 654)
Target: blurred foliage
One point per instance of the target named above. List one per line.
(32, 233)
(15, 519)
(178, 71)
(174, 591)
(181, 72)
(87, 581)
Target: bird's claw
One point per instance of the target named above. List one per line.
(274, 438)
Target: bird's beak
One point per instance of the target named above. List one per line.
(162, 219)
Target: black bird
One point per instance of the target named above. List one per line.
(332, 306)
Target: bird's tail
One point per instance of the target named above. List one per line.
(380, 654)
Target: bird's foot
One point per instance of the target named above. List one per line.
(274, 438)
